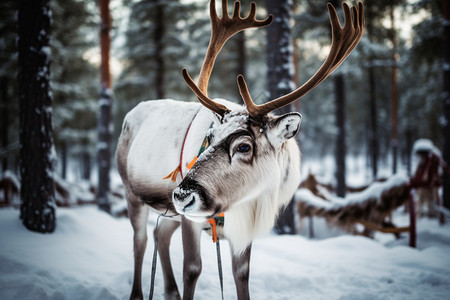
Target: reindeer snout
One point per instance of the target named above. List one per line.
(184, 200)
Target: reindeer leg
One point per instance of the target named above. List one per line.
(241, 272)
(163, 233)
(192, 264)
(138, 214)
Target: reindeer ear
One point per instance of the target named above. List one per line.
(283, 128)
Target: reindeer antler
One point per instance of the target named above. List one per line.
(222, 29)
(344, 40)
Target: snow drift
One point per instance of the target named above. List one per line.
(89, 256)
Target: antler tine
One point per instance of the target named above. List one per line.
(252, 12)
(204, 100)
(355, 16)
(212, 10)
(358, 24)
(225, 9)
(344, 40)
(222, 29)
(252, 109)
(236, 10)
(354, 26)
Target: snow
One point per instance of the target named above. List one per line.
(102, 145)
(46, 50)
(89, 256)
(11, 176)
(104, 102)
(446, 67)
(286, 84)
(425, 145)
(42, 72)
(375, 191)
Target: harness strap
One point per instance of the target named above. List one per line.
(178, 170)
(219, 267)
(219, 220)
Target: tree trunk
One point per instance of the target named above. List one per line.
(63, 160)
(242, 59)
(296, 76)
(159, 50)
(446, 100)
(5, 120)
(373, 132)
(340, 138)
(340, 151)
(394, 95)
(37, 209)
(5, 126)
(279, 51)
(279, 79)
(86, 175)
(105, 111)
(373, 135)
(409, 145)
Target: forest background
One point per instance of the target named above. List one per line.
(400, 56)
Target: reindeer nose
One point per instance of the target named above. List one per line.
(184, 200)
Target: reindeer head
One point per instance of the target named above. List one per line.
(248, 154)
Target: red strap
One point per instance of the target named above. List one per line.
(173, 175)
(182, 147)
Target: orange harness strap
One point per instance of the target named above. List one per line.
(214, 222)
(218, 220)
(213, 228)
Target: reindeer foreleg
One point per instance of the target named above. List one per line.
(138, 217)
(163, 233)
(241, 272)
(192, 264)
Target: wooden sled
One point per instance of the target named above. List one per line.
(371, 207)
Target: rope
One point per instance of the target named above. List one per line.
(219, 220)
(219, 266)
(155, 253)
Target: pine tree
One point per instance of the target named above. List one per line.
(340, 139)
(420, 110)
(340, 120)
(156, 50)
(74, 80)
(105, 111)
(312, 26)
(381, 66)
(279, 51)
(37, 208)
(446, 99)
(8, 86)
(279, 78)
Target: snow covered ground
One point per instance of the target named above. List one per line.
(89, 256)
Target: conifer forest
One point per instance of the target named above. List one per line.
(71, 70)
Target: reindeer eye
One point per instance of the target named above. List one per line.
(243, 148)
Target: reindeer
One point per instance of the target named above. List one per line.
(250, 170)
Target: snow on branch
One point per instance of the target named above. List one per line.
(373, 204)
